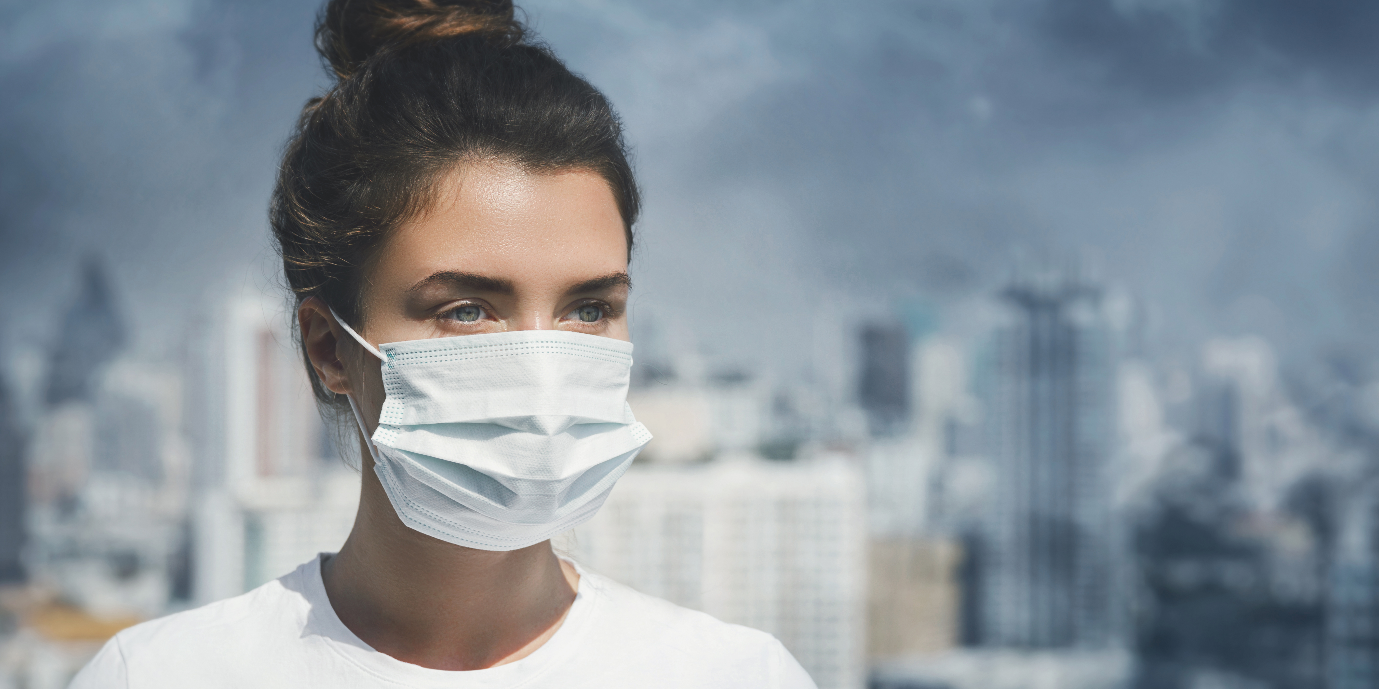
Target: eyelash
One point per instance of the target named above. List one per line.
(447, 315)
(605, 308)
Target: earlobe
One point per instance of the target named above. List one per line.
(321, 337)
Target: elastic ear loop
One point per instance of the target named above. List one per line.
(354, 406)
(362, 342)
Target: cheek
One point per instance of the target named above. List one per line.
(619, 330)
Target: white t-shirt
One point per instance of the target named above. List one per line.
(285, 634)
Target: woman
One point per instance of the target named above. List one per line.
(455, 219)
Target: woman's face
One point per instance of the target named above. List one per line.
(501, 249)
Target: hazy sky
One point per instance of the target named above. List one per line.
(806, 164)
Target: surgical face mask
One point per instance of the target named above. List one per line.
(500, 441)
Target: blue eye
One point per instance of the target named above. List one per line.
(589, 313)
(468, 313)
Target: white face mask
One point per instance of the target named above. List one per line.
(500, 441)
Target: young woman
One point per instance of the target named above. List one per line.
(455, 218)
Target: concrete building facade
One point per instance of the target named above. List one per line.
(1049, 573)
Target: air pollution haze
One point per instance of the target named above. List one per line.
(807, 164)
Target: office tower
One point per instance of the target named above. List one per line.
(1217, 417)
(1244, 408)
(1048, 568)
(13, 484)
(90, 335)
(778, 546)
(907, 474)
(1352, 604)
(269, 490)
(883, 387)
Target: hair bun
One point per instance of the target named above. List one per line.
(349, 32)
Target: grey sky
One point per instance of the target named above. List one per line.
(807, 164)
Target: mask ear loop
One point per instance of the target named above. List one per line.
(354, 406)
(359, 420)
(362, 342)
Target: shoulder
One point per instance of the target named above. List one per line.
(266, 611)
(690, 630)
(691, 644)
(220, 636)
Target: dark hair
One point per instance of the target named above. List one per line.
(420, 87)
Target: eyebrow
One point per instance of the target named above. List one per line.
(482, 283)
(464, 282)
(602, 283)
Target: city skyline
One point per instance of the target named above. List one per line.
(985, 344)
(1026, 482)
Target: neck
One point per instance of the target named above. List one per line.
(438, 605)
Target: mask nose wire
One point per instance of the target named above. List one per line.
(354, 406)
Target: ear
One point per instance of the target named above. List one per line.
(326, 344)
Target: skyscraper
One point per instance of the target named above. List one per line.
(883, 389)
(90, 335)
(1352, 638)
(1048, 569)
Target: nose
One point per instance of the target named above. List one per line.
(532, 318)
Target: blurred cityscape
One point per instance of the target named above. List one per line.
(1001, 492)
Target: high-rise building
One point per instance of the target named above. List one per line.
(13, 495)
(775, 545)
(270, 490)
(906, 473)
(1352, 604)
(90, 335)
(1048, 569)
(1243, 407)
(883, 387)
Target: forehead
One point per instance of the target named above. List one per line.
(498, 220)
